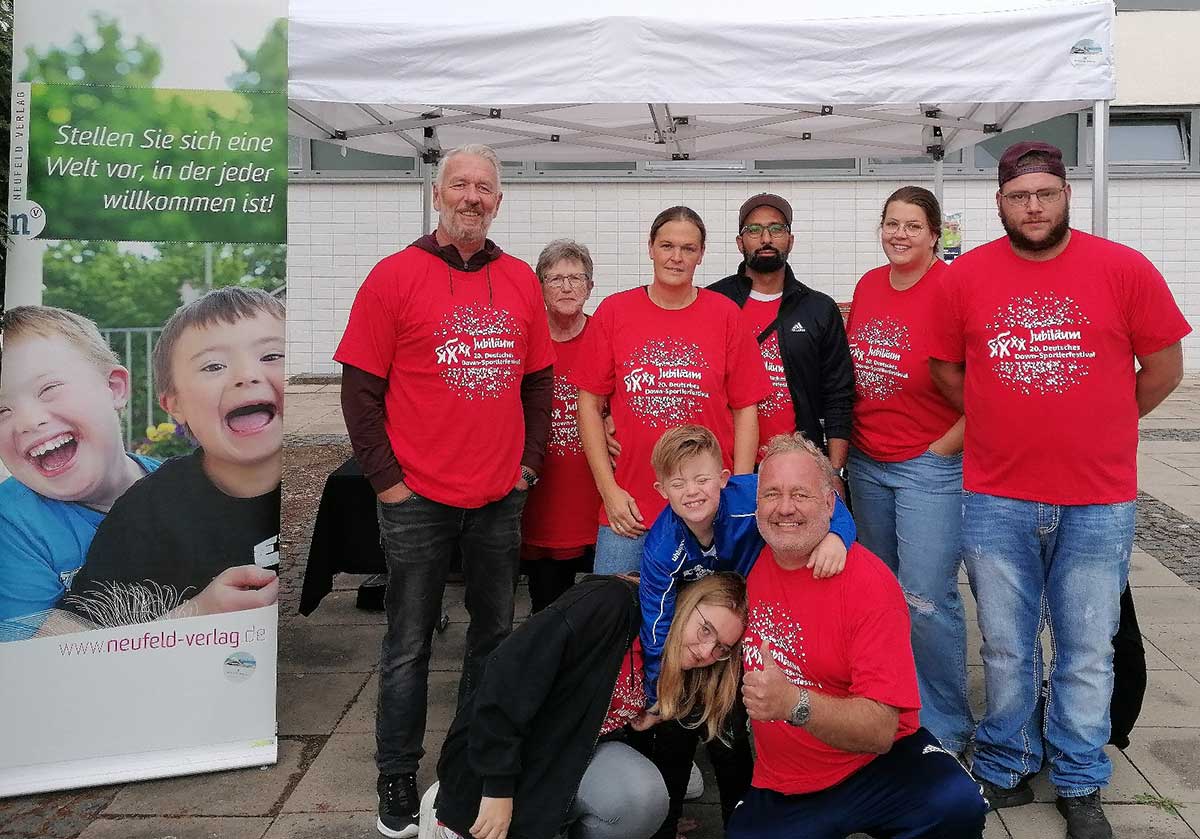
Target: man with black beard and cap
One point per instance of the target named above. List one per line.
(800, 333)
(1053, 342)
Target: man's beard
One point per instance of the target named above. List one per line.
(1054, 235)
(465, 235)
(766, 263)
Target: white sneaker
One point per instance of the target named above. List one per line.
(695, 787)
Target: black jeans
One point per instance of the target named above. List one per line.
(419, 538)
(674, 747)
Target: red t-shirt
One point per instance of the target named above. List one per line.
(561, 509)
(629, 693)
(898, 410)
(453, 347)
(775, 413)
(661, 368)
(843, 636)
(1049, 350)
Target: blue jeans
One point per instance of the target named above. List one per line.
(617, 554)
(419, 539)
(915, 791)
(909, 514)
(1028, 563)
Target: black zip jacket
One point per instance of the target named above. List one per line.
(529, 729)
(816, 355)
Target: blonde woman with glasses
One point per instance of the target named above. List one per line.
(545, 745)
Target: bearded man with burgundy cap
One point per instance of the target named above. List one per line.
(1037, 346)
(800, 333)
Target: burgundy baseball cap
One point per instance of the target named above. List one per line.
(1051, 160)
(765, 199)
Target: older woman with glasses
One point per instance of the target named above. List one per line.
(558, 531)
(906, 454)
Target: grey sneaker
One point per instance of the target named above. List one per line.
(999, 797)
(1085, 817)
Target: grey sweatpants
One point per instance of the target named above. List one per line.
(621, 796)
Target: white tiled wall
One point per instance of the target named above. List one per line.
(337, 232)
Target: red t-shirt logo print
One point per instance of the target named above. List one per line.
(478, 357)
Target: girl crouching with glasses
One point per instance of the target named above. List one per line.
(543, 744)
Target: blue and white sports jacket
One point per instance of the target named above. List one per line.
(673, 557)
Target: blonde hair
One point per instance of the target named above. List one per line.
(679, 444)
(797, 442)
(702, 696)
(221, 305)
(52, 322)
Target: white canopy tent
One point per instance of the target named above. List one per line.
(701, 80)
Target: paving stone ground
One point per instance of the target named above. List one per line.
(323, 785)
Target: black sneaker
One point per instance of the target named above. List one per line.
(999, 797)
(399, 806)
(1085, 817)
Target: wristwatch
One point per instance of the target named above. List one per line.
(841, 473)
(799, 715)
(529, 475)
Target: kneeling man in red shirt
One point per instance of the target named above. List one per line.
(830, 684)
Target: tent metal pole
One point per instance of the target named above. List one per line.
(426, 197)
(939, 181)
(1100, 168)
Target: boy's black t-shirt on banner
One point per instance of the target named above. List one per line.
(165, 539)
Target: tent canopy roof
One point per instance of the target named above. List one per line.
(662, 80)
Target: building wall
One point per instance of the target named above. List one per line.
(338, 231)
(1155, 58)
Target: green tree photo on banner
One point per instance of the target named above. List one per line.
(113, 158)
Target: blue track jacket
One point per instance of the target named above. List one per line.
(672, 557)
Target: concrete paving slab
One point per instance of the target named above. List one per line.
(1190, 813)
(443, 697)
(310, 648)
(1154, 475)
(188, 827)
(337, 609)
(342, 778)
(1169, 758)
(1168, 604)
(1146, 821)
(1146, 571)
(1179, 642)
(54, 815)
(1156, 659)
(1182, 498)
(241, 792)
(1126, 784)
(323, 826)
(314, 703)
(1172, 701)
(1129, 821)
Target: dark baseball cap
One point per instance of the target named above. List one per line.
(1051, 161)
(765, 199)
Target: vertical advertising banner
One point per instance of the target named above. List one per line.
(141, 390)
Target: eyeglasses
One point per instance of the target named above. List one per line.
(567, 280)
(910, 228)
(757, 230)
(1021, 198)
(708, 635)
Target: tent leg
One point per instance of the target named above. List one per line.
(426, 197)
(1100, 168)
(939, 182)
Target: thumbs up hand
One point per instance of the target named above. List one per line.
(767, 693)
